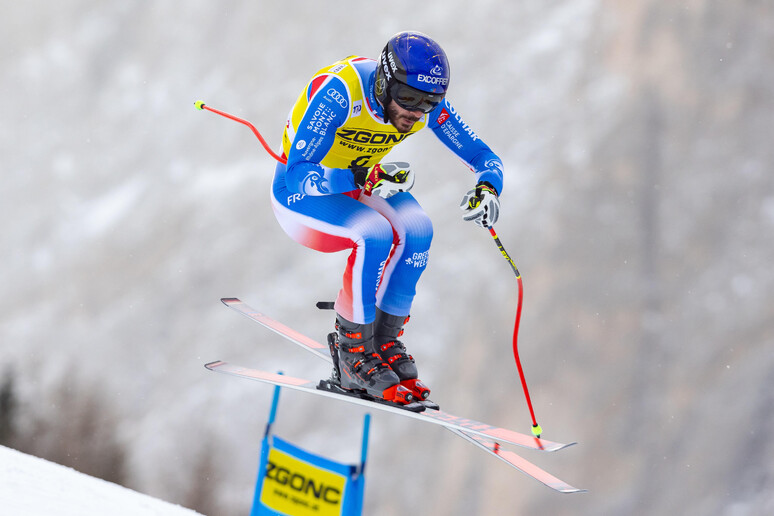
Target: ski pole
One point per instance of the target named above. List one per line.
(200, 105)
(536, 429)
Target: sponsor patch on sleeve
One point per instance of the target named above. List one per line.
(442, 117)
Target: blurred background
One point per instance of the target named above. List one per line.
(638, 205)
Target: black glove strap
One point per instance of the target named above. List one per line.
(488, 185)
(360, 174)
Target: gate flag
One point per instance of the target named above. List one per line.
(295, 482)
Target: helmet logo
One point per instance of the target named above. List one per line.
(380, 87)
(432, 80)
(437, 70)
(392, 62)
(386, 68)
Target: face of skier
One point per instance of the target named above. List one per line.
(401, 118)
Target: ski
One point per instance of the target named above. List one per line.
(519, 463)
(437, 417)
(483, 443)
(309, 344)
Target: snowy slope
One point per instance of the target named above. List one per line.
(33, 486)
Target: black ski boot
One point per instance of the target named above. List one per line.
(359, 367)
(387, 329)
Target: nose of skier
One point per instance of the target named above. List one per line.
(404, 119)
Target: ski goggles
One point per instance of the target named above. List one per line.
(412, 99)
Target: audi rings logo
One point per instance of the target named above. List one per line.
(337, 97)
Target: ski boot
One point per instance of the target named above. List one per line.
(387, 329)
(357, 367)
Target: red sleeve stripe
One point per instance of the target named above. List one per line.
(316, 84)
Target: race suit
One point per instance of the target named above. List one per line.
(335, 124)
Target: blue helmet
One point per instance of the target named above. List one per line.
(413, 71)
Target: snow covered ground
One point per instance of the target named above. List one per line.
(31, 486)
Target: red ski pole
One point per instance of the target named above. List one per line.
(536, 429)
(200, 105)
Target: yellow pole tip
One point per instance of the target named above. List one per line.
(199, 104)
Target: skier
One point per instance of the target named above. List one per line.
(335, 193)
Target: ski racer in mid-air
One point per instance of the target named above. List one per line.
(335, 193)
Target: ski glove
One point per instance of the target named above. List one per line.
(481, 205)
(384, 179)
